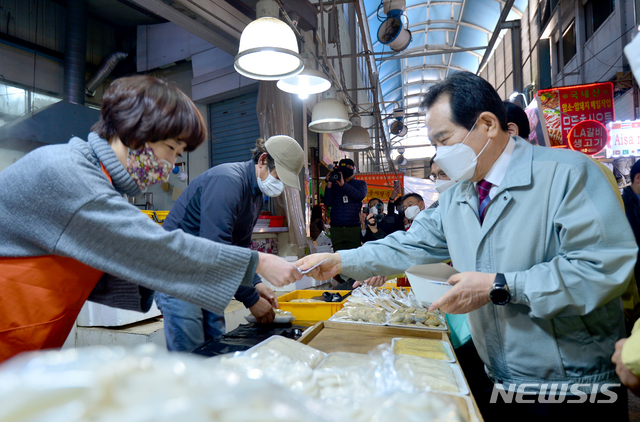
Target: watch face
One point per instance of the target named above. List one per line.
(500, 296)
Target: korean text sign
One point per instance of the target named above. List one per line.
(565, 107)
(588, 137)
(379, 185)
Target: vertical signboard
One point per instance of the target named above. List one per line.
(565, 107)
(330, 149)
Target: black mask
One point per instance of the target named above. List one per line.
(346, 172)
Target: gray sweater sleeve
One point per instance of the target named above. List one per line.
(113, 236)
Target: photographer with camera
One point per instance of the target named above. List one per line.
(344, 194)
(375, 224)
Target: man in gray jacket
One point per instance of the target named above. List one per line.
(544, 253)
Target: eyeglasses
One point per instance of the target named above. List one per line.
(404, 207)
(440, 176)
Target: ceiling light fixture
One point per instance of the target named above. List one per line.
(329, 115)
(268, 47)
(305, 83)
(357, 138)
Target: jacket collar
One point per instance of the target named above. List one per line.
(250, 168)
(103, 153)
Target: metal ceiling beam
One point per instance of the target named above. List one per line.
(408, 56)
(219, 14)
(198, 25)
(467, 24)
(455, 37)
(503, 18)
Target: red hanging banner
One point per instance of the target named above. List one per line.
(379, 185)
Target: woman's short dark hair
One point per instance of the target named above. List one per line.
(515, 114)
(260, 149)
(140, 109)
(469, 96)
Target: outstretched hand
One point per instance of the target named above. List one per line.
(276, 270)
(329, 268)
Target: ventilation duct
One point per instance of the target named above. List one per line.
(59, 122)
(75, 51)
(106, 67)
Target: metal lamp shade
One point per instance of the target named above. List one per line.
(305, 83)
(328, 116)
(357, 138)
(268, 51)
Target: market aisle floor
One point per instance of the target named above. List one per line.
(634, 408)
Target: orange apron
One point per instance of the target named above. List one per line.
(40, 298)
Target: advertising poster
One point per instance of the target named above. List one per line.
(537, 136)
(565, 107)
(379, 185)
(624, 139)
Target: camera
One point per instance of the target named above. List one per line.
(377, 211)
(334, 176)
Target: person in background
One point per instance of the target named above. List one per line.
(440, 179)
(412, 204)
(631, 198)
(517, 121)
(223, 205)
(370, 229)
(544, 253)
(345, 198)
(68, 234)
(627, 360)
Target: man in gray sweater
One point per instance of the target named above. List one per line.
(66, 224)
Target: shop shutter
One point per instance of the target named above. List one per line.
(234, 129)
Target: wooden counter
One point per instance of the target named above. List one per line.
(330, 336)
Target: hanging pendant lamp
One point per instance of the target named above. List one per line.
(329, 115)
(357, 138)
(305, 83)
(268, 47)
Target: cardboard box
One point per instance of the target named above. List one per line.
(96, 315)
(429, 282)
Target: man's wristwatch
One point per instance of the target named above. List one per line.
(500, 292)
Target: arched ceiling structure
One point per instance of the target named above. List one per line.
(447, 36)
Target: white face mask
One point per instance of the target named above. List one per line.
(443, 185)
(270, 186)
(459, 161)
(412, 212)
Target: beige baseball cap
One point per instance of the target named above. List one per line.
(289, 158)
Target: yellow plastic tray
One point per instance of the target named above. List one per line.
(310, 312)
(160, 215)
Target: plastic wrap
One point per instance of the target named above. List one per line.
(102, 384)
(275, 117)
(294, 350)
(426, 348)
(348, 376)
(374, 305)
(422, 374)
